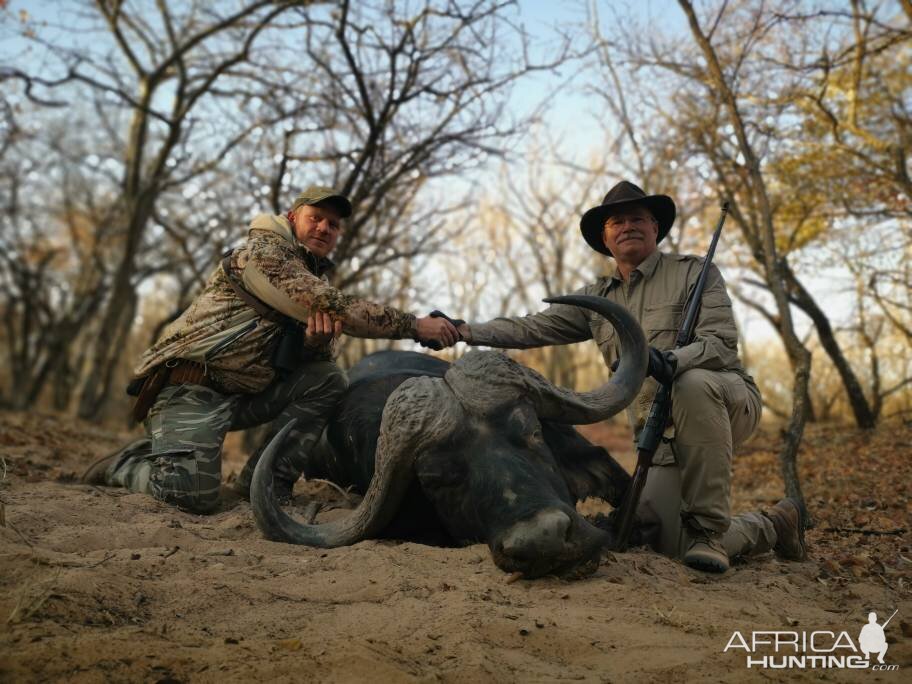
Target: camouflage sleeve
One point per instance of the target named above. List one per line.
(275, 274)
(558, 324)
(715, 345)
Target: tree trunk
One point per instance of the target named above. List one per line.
(865, 418)
(104, 353)
(63, 383)
(561, 366)
(773, 265)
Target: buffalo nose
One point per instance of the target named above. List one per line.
(543, 534)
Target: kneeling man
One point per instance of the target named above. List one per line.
(716, 405)
(241, 356)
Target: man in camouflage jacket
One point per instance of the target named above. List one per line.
(715, 403)
(215, 367)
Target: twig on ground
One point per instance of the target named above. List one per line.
(103, 560)
(47, 561)
(28, 604)
(21, 536)
(339, 489)
(55, 562)
(863, 530)
(113, 495)
(310, 512)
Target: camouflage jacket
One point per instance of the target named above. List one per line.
(236, 344)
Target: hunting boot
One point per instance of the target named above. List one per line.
(789, 524)
(282, 487)
(706, 552)
(97, 473)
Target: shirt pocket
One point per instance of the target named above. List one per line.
(605, 337)
(661, 323)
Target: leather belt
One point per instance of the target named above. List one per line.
(172, 372)
(184, 372)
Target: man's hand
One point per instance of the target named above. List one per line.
(662, 365)
(436, 332)
(321, 329)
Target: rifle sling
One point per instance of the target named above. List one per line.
(250, 300)
(287, 353)
(147, 389)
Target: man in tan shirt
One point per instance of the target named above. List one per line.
(716, 405)
(216, 368)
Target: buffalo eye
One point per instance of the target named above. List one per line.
(524, 428)
(441, 472)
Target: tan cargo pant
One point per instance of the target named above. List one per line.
(689, 484)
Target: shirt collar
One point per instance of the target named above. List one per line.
(317, 265)
(649, 265)
(646, 269)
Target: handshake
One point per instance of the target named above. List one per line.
(438, 331)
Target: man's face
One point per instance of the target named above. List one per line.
(317, 227)
(631, 234)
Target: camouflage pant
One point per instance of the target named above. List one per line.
(180, 460)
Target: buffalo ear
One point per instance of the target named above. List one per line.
(588, 470)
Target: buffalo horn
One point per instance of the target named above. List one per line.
(416, 415)
(579, 408)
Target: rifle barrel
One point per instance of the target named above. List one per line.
(686, 333)
(629, 507)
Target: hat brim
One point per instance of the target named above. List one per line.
(592, 224)
(338, 202)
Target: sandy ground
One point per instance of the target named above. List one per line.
(101, 585)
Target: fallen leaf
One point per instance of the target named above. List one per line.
(289, 644)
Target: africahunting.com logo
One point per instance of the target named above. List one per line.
(821, 649)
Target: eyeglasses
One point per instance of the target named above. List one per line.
(615, 222)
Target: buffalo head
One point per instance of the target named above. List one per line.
(487, 445)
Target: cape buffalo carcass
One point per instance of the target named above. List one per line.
(481, 451)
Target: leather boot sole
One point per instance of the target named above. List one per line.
(702, 557)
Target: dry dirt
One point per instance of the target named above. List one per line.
(101, 585)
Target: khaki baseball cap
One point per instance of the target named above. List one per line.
(317, 194)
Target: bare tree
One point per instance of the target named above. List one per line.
(160, 67)
(410, 95)
(523, 244)
(757, 225)
(52, 264)
(383, 100)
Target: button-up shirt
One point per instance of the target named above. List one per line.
(656, 295)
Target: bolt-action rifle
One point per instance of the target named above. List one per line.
(651, 435)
